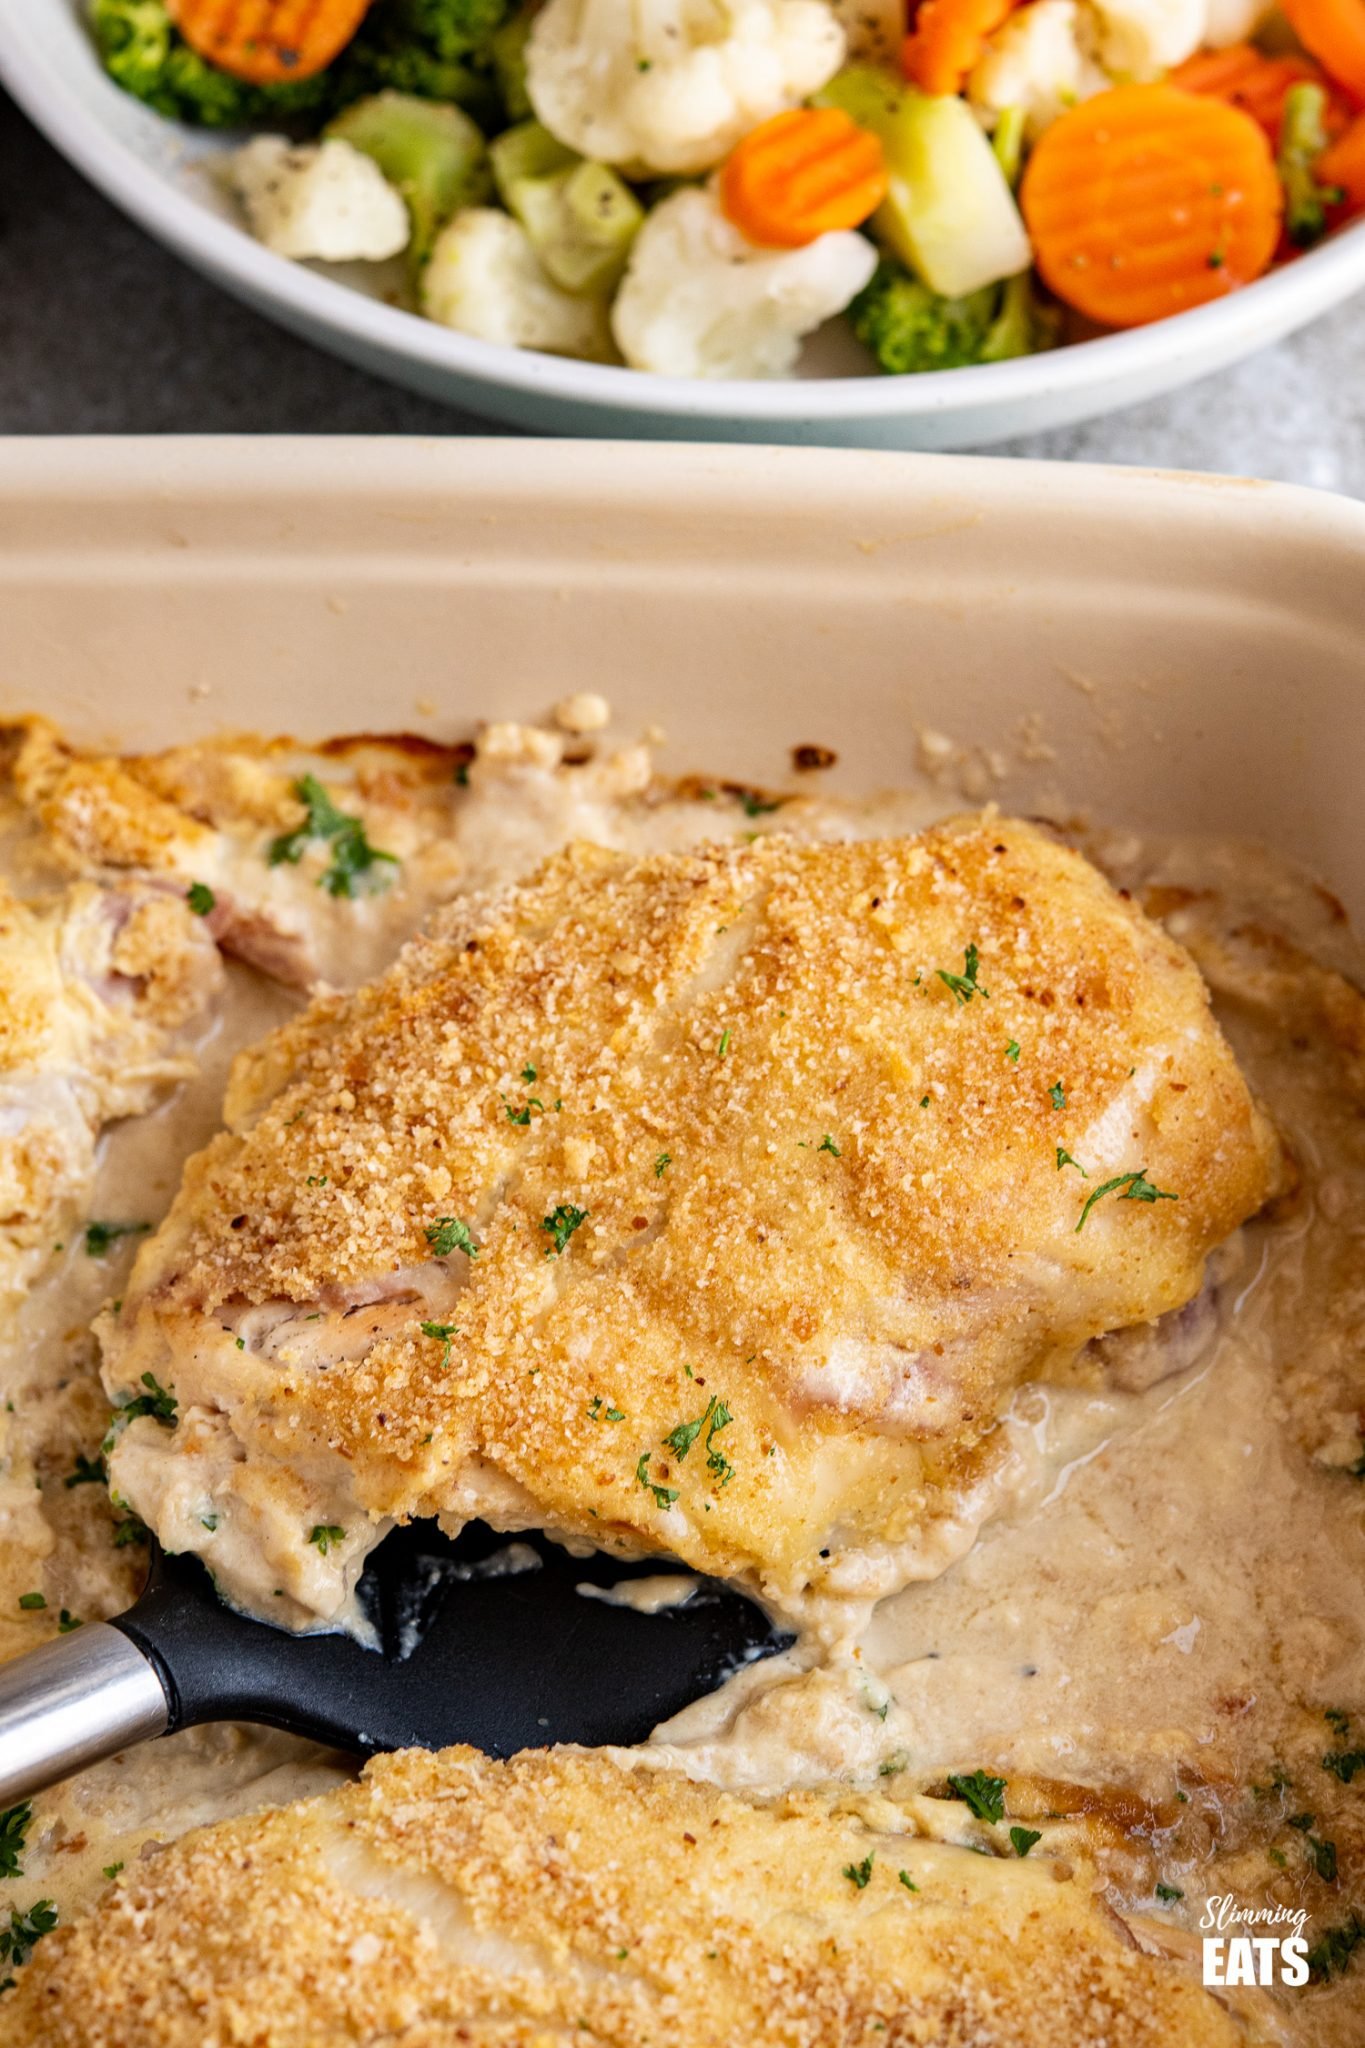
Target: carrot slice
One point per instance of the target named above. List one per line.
(1343, 165)
(268, 42)
(948, 39)
(1147, 200)
(1334, 30)
(801, 175)
(1247, 78)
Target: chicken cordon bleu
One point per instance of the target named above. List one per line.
(446, 1900)
(710, 1204)
(96, 984)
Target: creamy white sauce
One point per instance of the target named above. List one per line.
(651, 1593)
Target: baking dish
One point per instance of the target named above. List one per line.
(1153, 649)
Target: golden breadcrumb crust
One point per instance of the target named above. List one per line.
(761, 1189)
(575, 1896)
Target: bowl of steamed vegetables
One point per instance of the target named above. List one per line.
(814, 218)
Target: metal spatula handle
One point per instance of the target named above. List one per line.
(71, 1702)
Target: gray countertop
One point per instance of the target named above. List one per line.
(102, 331)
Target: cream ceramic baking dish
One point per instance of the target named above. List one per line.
(1158, 650)
(1161, 655)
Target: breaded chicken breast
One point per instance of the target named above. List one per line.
(95, 986)
(707, 1204)
(317, 862)
(570, 1896)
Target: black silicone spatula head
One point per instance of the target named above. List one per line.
(503, 1662)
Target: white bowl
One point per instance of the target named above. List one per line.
(158, 174)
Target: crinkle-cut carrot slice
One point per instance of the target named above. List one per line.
(1334, 30)
(1343, 165)
(1247, 78)
(801, 175)
(1147, 200)
(948, 39)
(268, 42)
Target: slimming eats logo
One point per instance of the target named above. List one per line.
(1253, 1944)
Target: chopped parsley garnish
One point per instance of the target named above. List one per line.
(1064, 1158)
(827, 1144)
(965, 985)
(662, 1164)
(326, 1535)
(1323, 1857)
(724, 1045)
(681, 1439)
(68, 1623)
(25, 1931)
(99, 1236)
(924, 1102)
(561, 1223)
(32, 1601)
(209, 1522)
(861, 1873)
(441, 1333)
(156, 1402)
(1136, 1188)
(1344, 1763)
(907, 1880)
(984, 1794)
(889, 1765)
(352, 854)
(664, 1496)
(1057, 1095)
(111, 1871)
(448, 1234)
(88, 1472)
(1024, 1839)
(200, 898)
(528, 1074)
(1301, 1821)
(1337, 1721)
(598, 1412)
(1013, 1050)
(131, 1529)
(1329, 1956)
(713, 1418)
(14, 1824)
(1168, 1893)
(523, 1115)
(758, 806)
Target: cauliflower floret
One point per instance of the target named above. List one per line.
(1235, 21)
(700, 301)
(484, 278)
(1139, 39)
(672, 85)
(874, 30)
(319, 199)
(1040, 62)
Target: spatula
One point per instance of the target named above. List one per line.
(465, 1653)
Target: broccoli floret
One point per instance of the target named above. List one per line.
(143, 52)
(412, 46)
(449, 29)
(428, 49)
(1303, 138)
(910, 328)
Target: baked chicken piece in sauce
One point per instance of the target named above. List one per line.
(710, 1204)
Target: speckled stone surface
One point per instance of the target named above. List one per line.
(101, 331)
